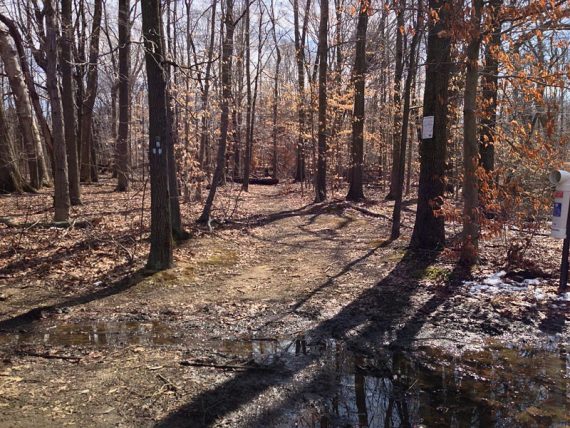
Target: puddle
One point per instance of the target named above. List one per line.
(497, 387)
(97, 334)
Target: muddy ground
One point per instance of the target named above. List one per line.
(276, 317)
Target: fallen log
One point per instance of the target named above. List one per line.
(265, 181)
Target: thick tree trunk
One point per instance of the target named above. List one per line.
(321, 182)
(68, 102)
(470, 248)
(429, 228)
(61, 184)
(27, 124)
(355, 191)
(124, 102)
(160, 256)
(43, 172)
(10, 178)
(227, 52)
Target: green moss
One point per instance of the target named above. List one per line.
(220, 258)
(432, 273)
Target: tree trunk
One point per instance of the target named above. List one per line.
(43, 173)
(124, 103)
(397, 99)
(61, 184)
(68, 102)
(300, 58)
(321, 183)
(470, 248)
(489, 86)
(10, 178)
(399, 188)
(248, 112)
(275, 93)
(88, 101)
(429, 227)
(28, 127)
(227, 52)
(204, 140)
(160, 256)
(355, 191)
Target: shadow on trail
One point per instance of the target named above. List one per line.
(383, 309)
(36, 313)
(310, 209)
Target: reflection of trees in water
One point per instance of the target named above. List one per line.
(487, 388)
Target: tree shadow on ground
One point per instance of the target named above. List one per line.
(383, 309)
(310, 209)
(37, 313)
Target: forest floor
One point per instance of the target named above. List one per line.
(287, 313)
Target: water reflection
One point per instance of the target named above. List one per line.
(97, 334)
(497, 387)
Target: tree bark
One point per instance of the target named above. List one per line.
(429, 227)
(10, 178)
(321, 183)
(397, 99)
(27, 124)
(88, 102)
(124, 103)
(399, 188)
(43, 171)
(275, 93)
(227, 52)
(68, 102)
(489, 86)
(204, 136)
(300, 58)
(355, 191)
(160, 256)
(61, 184)
(470, 247)
(248, 112)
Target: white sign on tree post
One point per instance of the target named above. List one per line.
(427, 127)
(560, 224)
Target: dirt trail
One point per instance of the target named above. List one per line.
(202, 343)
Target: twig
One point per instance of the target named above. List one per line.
(223, 366)
(50, 356)
(167, 382)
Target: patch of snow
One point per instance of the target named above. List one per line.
(494, 284)
(565, 297)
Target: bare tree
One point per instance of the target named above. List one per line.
(429, 227)
(227, 52)
(61, 184)
(124, 97)
(68, 102)
(28, 126)
(321, 181)
(355, 191)
(470, 248)
(160, 256)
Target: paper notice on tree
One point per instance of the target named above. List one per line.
(427, 127)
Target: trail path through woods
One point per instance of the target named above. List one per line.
(222, 338)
